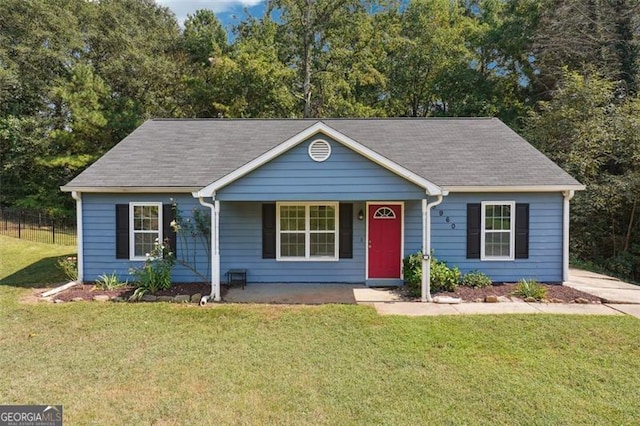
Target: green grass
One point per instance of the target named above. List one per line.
(175, 364)
(25, 263)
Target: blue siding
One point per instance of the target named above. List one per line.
(100, 242)
(545, 237)
(241, 247)
(344, 176)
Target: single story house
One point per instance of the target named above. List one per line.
(329, 200)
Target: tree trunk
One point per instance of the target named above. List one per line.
(627, 239)
(306, 64)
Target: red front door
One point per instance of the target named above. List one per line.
(385, 240)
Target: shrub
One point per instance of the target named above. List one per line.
(530, 288)
(109, 282)
(443, 278)
(155, 274)
(69, 266)
(476, 279)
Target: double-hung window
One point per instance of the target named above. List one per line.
(498, 236)
(145, 228)
(307, 231)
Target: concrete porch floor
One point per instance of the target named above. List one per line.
(308, 294)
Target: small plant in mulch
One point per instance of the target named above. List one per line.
(530, 289)
(109, 282)
(476, 279)
(155, 274)
(69, 267)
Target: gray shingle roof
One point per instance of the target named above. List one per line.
(447, 152)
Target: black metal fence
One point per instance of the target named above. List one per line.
(37, 226)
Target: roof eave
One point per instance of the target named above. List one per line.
(514, 188)
(130, 189)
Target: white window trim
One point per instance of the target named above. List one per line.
(512, 236)
(132, 232)
(307, 232)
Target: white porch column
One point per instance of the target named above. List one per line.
(80, 239)
(215, 267)
(215, 251)
(426, 247)
(568, 195)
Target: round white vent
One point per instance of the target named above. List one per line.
(319, 150)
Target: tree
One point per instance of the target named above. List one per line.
(429, 46)
(586, 35)
(595, 136)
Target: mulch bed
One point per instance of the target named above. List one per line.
(87, 292)
(554, 292)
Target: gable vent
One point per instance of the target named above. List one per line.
(319, 150)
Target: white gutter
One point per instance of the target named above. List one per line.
(215, 252)
(78, 197)
(426, 246)
(568, 195)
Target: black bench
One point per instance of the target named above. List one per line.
(237, 276)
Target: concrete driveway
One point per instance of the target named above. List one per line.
(609, 289)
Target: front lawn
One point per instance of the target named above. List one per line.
(335, 364)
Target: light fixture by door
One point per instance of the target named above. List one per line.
(360, 215)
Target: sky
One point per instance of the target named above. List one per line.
(228, 11)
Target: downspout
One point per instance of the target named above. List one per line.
(568, 195)
(80, 240)
(215, 252)
(426, 246)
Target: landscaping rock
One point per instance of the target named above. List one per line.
(195, 298)
(149, 298)
(77, 299)
(556, 300)
(503, 299)
(581, 300)
(181, 298)
(530, 299)
(101, 298)
(165, 298)
(58, 301)
(117, 299)
(478, 300)
(447, 300)
(491, 299)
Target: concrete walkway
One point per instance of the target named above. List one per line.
(432, 309)
(609, 289)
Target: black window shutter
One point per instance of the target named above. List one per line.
(474, 217)
(346, 231)
(522, 231)
(122, 231)
(269, 231)
(167, 231)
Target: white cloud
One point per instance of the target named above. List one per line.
(182, 8)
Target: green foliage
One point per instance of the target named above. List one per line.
(476, 279)
(155, 273)
(443, 278)
(68, 265)
(109, 282)
(412, 272)
(530, 289)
